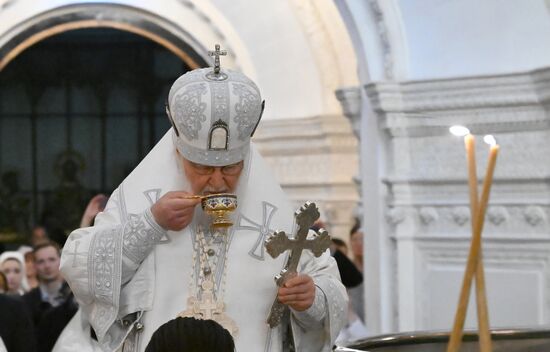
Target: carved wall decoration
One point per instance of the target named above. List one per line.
(395, 216)
(497, 215)
(428, 215)
(461, 215)
(534, 215)
(350, 99)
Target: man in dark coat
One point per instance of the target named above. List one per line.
(51, 304)
(16, 328)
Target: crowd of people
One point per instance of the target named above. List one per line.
(34, 291)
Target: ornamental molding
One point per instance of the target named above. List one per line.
(512, 102)
(497, 215)
(383, 34)
(330, 134)
(502, 222)
(454, 191)
(395, 216)
(461, 215)
(52, 21)
(535, 215)
(350, 99)
(428, 215)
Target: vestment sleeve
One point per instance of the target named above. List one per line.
(98, 261)
(316, 329)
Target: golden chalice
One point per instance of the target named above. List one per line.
(219, 207)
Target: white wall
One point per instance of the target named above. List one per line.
(471, 37)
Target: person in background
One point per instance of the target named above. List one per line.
(16, 331)
(191, 335)
(94, 207)
(338, 244)
(30, 269)
(12, 264)
(352, 278)
(3, 283)
(39, 234)
(356, 293)
(356, 243)
(51, 304)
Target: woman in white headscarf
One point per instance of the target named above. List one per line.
(12, 264)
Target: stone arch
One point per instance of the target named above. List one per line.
(116, 16)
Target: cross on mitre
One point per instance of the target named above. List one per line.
(279, 242)
(216, 54)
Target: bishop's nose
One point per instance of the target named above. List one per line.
(217, 181)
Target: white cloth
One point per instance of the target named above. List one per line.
(126, 269)
(2, 346)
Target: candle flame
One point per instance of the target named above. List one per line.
(490, 139)
(459, 131)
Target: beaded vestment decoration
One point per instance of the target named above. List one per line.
(207, 284)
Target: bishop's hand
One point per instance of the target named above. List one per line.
(174, 210)
(297, 293)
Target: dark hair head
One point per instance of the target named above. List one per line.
(355, 228)
(338, 242)
(45, 244)
(191, 335)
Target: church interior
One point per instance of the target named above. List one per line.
(362, 102)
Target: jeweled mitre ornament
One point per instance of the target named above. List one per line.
(214, 112)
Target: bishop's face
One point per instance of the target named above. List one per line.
(206, 180)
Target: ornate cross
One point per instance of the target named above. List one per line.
(216, 54)
(280, 242)
(257, 250)
(209, 308)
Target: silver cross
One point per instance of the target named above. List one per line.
(245, 223)
(280, 242)
(216, 53)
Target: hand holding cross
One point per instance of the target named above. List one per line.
(279, 242)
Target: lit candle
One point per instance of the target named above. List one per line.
(481, 297)
(475, 263)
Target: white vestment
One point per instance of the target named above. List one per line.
(130, 276)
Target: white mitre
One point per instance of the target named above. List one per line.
(214, 115)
